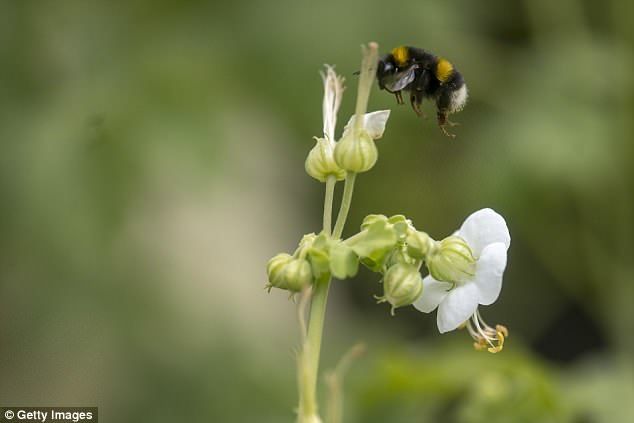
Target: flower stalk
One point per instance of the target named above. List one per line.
(328, 199)
(346, 201)
(308, 410)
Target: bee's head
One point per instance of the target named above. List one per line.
(386, 66)
(385, 69)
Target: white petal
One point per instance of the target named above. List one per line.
(457, 307)
(374, 123)
(489, 271)
(433, 293)
(482, 228)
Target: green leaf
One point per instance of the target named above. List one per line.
(397, 218)
(371, 219)
(379, 238)
(318, 255)
(319, 262)
(343, 261)
(401, 226)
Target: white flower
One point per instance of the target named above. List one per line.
(333, 91)
(356, 151)
(320, 163)
(373, 124)
(487, 235)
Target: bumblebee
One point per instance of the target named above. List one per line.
(423, 75)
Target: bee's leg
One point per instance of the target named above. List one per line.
(450, 123)
(399, 97)
(443, 105)
(442, 123)
(416, 100)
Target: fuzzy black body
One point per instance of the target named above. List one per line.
(423, 75)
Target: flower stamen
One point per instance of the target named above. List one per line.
(486, 337)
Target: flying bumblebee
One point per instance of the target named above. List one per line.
(423, 75)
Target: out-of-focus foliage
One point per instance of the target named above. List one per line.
(152, 161)
(452, 386)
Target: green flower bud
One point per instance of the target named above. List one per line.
(320, 162)
(297, 275)
(305, 244)
(400, 256)
(286, 272)
(402, 226)
(275, 270)
(356, 154)
(419, 244)
(402, 285)
(372, 218)
(451, 261)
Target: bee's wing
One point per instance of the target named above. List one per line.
(402, 79)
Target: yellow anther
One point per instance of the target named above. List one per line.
(495, 350)
(502, 329)
(480, 345)
(485, 337)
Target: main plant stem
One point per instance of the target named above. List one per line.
(309, 358)
(311, 348)
(312, 345)
(309, 355)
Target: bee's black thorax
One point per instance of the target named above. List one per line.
(423, 75)
(422, 58)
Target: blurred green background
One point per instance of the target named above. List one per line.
(152, 161)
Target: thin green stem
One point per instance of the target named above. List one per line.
(312, 347)
(345, 204)
(355, 238)
(308, 366)
(330, 191)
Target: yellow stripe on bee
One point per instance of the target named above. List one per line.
(401, 55)
(444, 69)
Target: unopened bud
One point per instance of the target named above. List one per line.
(399, 255)
(320, 162)
(419, 244)
(275, 269)
(371, 219)
(298, 275)
(356, 152)
(286, 272)
(402, 285)
(452, 261)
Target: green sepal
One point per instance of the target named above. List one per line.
(375, 242)
(374, 265)
(371, 219)
(318, 255)
(344, 263)
(378, 237)
(402, 226)
(399, 255)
